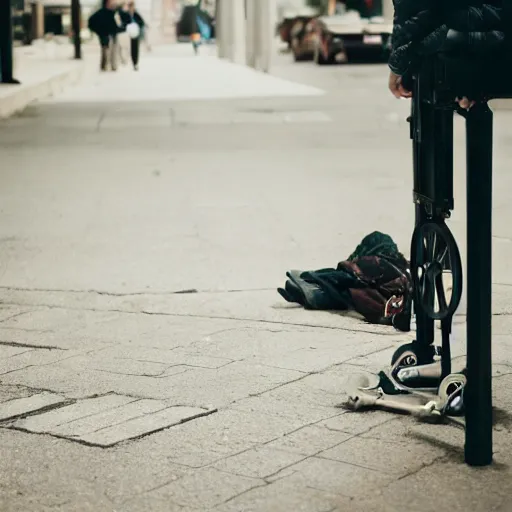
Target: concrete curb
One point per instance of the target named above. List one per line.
(18, 97)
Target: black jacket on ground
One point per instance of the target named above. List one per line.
(473, 28)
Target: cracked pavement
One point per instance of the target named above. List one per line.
(147, 362)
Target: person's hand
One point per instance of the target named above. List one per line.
(464, 103)
(396, 87)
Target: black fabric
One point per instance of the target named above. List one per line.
(138, 19)
(475, 29)
(134, 50)
(103, 23)
(125, 17)
(374, 281)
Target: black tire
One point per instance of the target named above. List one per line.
(413, 354)
(434, 250)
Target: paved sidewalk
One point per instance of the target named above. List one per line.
(147, 362)
(44, 69)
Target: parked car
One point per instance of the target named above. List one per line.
(342, 38)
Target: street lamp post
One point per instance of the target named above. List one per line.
(6, 53)
(76, 27)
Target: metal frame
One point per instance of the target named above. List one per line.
(6, 51)
(432, 134)
(76, 25)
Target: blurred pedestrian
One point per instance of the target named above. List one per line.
(123, 18)
(104, 25)
(135, 29)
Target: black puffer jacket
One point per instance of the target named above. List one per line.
(474, 28)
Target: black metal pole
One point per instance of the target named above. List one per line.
(420, 129)
(6, 56)
(76, 22)
(478, 391)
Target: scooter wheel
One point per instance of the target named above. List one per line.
(435, 261)
(412, 354)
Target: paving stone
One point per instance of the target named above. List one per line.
(400, 429)
(258, 462)
(161, 356)
(120, 122)
(46, 422)
(389, 457)
(357, 422)
(228, 432)
(8, 392)
(241, 342)
(136, 427)
(7, 312)
(310, 440)
(457, 487)
(76, 382)
(148, 502)
(119, 365)
(306, 117)
(111, 418)
(256, 117)
(7, 351)
(220, 387)
(206, 488)
(21, 406)
(283, 496)
(336, 477)
(33, 358)
(313, 359)
(305, 413)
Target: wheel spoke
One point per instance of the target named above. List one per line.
(441, 297)
(443, 256)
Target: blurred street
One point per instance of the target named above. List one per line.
(147, 362)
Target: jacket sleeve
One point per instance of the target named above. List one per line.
(139, 20)
(414, 21)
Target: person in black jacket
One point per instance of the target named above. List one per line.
(104, 25)
(135, 17)
(470, 28)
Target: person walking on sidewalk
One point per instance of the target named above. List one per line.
(104, 25)
(135, 29)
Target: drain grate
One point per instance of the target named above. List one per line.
(107, 420)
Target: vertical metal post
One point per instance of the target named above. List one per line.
(478, 391)
(421, 133)
(76, 26)
(6, 52)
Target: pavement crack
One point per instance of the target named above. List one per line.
(17, 315)
(391, 333)
(134, 293)
(231, 498)
(421, 468)
(279, 385)
(377, 351)
(29, 345)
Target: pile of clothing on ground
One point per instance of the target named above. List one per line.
(374, 281)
